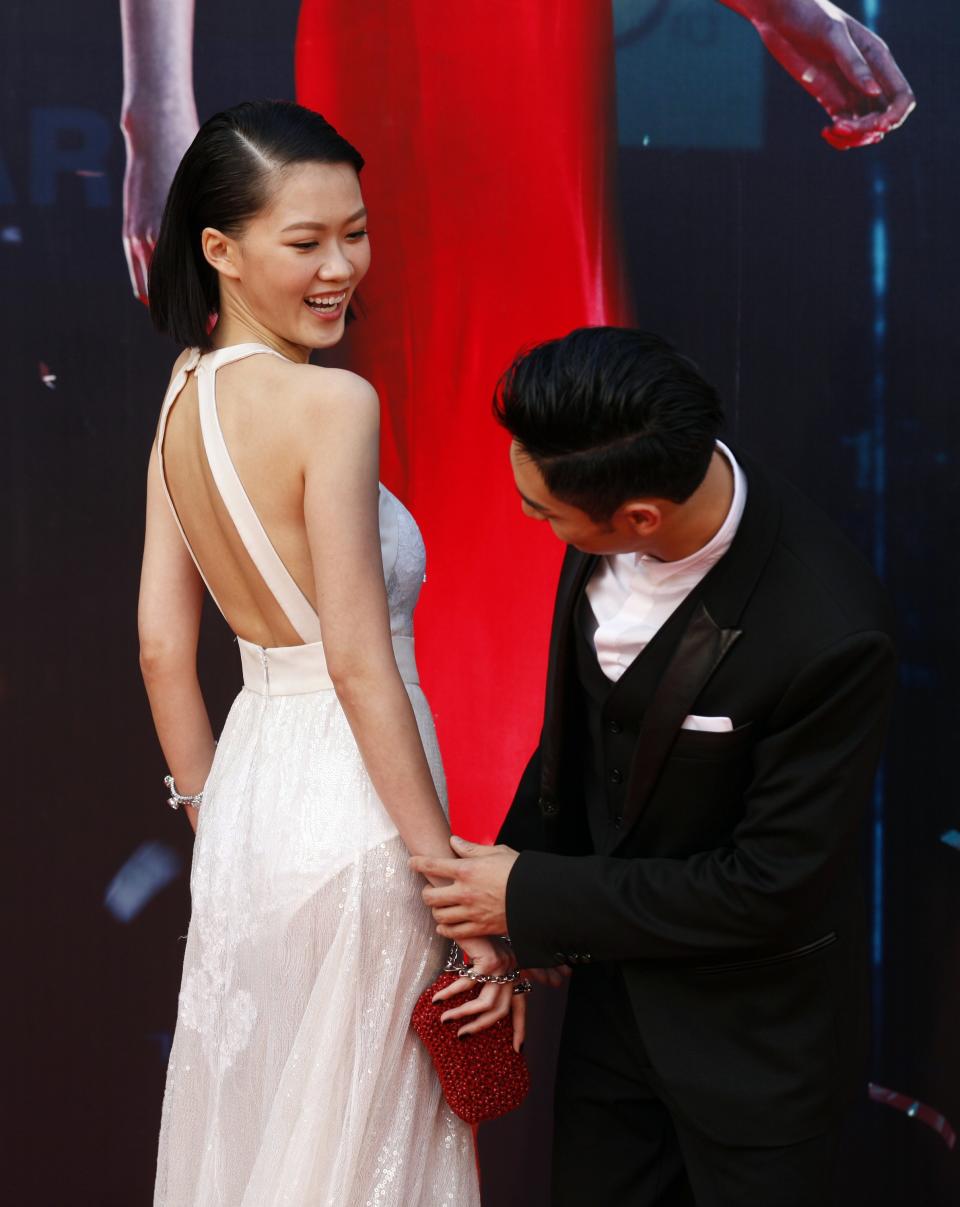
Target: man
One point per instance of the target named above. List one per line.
(719, 680)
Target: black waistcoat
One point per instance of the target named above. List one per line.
(613, 712)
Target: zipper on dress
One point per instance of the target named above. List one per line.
(265, 661)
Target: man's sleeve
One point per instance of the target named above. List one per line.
(812, 775)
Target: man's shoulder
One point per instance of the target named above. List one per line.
(817, 574)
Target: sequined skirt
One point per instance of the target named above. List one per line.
(294, 1076)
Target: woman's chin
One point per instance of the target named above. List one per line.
(313, 335)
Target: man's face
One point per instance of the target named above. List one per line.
(627, 531)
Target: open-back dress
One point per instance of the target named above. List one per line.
(294, 1077)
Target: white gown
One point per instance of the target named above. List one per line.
(294, 1077)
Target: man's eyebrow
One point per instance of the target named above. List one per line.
(322, 226)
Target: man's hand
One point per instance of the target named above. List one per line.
(474, 903)
(840, 62)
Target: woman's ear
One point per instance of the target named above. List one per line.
(220, 252)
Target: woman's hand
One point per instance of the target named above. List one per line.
(488, 957)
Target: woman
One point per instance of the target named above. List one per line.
(294, 1077)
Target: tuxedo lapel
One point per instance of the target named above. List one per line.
(698, 654)
(708, 637)
(577, 568)
(705, 641)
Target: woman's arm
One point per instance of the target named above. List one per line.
(341, 507)
(158, 118)
(840, 62)
(168, 618)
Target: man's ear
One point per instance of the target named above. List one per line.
(643, 516)
(220, 252)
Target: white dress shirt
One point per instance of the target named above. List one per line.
(633, 594)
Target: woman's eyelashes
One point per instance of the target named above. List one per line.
(309, 245)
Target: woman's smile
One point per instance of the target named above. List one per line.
(326, 306)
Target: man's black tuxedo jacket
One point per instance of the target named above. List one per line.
(730, 893)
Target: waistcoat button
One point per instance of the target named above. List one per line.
(616, 776)
(614, 726)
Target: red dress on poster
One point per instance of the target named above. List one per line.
(489, 134)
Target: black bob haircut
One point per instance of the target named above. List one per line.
(610, 414)
(224, 180)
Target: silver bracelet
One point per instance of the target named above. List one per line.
(453, 964)
(176, 799)
(507, 979)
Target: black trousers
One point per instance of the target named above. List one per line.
(616, 1142)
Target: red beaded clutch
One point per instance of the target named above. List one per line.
(481, 1075)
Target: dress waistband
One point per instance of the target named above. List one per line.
(294, 670)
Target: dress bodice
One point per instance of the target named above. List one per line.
(294, 669)
(404, 561)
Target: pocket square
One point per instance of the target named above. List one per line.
(708, 724)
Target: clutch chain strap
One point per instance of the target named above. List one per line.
(455, 963)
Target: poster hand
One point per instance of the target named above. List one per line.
(154, 149)
(845, 66)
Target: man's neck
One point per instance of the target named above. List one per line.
(694, 524)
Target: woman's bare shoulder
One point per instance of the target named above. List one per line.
(315, 384)
(321, 396)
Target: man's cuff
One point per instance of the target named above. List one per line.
(533, 924)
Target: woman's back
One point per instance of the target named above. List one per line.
(243, 516)
(263, 431)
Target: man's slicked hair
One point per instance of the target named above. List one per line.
(610, 414)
